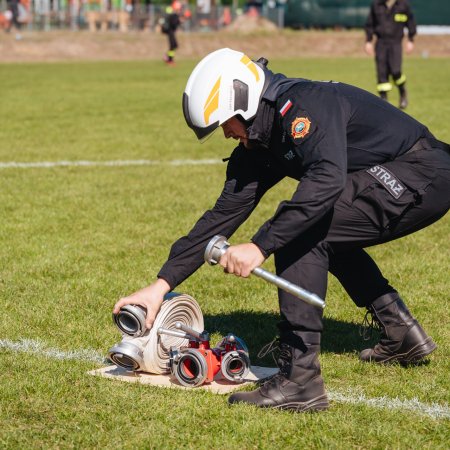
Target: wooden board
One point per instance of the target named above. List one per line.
(219, 386)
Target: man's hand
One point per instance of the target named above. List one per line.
(409, 46)
(368, 48)
(241, 259)
(150, 297)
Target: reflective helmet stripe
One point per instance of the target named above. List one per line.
(250, 65)
(212, 102)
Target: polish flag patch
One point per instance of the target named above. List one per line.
(286, 107)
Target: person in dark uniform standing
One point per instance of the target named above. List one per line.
(368, 173)
(387, 20)
(13, 7)
(171, 23)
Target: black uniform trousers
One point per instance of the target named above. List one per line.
(366, 214)
(388, 58)
(173, 44)
(14, 7)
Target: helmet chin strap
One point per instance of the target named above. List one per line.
(248, 125)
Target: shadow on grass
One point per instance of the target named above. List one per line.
(259, 328)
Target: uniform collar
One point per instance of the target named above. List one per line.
(260, 132)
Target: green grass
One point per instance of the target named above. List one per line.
(74, 240)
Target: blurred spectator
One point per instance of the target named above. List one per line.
(255, 6)
(5, 19)
(204, 7)
(119, 16)
(170, 25)
(226, 18)
(187, 17)
(204, 13)
(92, 14)
(13, 8)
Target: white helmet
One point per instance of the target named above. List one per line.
(223, 84)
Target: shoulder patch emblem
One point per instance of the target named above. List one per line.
(300, 127)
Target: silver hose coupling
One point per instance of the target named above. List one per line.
(235, 366)
(189, 366)
(127, 355)
(130, 320)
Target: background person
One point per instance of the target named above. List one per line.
(13, 7)
(171, 23)
(387, 20)
(368, 174)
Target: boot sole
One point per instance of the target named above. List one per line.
(414, 356)
(316, 404)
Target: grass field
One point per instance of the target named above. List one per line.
(75, 239)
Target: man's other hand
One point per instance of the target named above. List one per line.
(150, 297)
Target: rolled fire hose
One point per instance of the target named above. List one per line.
(150, 352)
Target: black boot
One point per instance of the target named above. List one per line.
(402, 339)
(298, 385)
(403, 99)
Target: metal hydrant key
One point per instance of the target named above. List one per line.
(218, 245)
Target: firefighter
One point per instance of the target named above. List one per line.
(171, 23)
(14, 8)
(387, 20)
(368, 173)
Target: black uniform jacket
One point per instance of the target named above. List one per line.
(173, 21)
(388, 24)
(314, 132)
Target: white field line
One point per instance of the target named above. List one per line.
(39, 348)
(115, 163)
(434, 410)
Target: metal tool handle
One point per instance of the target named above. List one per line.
(218, 245)
(189, 330)
(292, 288)
(174, 333)
(186, 333)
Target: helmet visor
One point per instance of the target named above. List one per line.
(202, 133)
